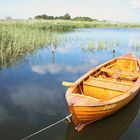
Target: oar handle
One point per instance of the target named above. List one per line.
(67, 84)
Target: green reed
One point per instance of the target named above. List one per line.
(19, 37)
(67, 25)
(16, 40)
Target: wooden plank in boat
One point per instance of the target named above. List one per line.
(112, 81)
(128, 75)
(106, 85)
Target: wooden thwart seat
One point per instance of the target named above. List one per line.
(104, 89)
(111, 81)
(83, 99)
(112, 85)
(121, 74)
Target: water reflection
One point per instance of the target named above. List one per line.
(113, 52)
(135, 45)
(110, 128)
(53, 55)
(3, 114)
(42, 69)
(31, 94)
(93, 40)
(58, 68)
(28, 100)
(93, 46)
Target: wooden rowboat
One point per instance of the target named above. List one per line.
(103, 90)
(109, 128)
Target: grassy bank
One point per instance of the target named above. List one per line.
(66, 25)
(19, 37)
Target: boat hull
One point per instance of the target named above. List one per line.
(98, 97)
(84, 115)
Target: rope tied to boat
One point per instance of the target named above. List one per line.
(37, 132)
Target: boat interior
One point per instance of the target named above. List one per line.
(110, 80)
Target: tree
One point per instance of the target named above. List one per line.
(56, 17)
(83, 19)
(67, 17)
(45, 17)
(8, 18)
(38, 17)
(41, 17)
(50, 17)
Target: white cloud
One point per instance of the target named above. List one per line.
(135, 3)
(42, 69)
(115, 10)
(55, 68)
(64, 50)
(94, 62)
(37, 99)
(3, 114)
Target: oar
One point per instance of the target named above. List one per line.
(67, 84)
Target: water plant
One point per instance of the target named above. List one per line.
(16, 40)
(19, 37)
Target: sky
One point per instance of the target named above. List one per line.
(113, 10)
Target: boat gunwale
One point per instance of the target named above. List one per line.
(109, 101)
(102, 105)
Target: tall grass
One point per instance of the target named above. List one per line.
(19, 37)
(66, 25)
(16, 40)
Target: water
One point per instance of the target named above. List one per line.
(32, 97)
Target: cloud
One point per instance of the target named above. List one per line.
(42, 69)
(135, 3)
(94, 61)
(55, 68)
(37, 99)
(65, 50)
(93, 8)
(76, 69)
(3, 114)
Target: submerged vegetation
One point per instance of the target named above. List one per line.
(93, 46)
(19, 37)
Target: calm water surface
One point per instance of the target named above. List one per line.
(32, 97)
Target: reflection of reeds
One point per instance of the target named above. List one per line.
(16, 40)
(92, 46)
(135, 45)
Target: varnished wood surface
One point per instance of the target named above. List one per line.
(110, 128)
(100, 94)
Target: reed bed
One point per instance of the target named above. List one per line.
(19, 37)
(16, 40)
(67, 25)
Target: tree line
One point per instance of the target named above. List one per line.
(64, 17)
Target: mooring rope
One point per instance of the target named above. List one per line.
(67, 117)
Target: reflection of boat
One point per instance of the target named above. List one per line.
(108, 128)
(103, 90)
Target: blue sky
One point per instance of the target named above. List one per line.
(114, 10)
